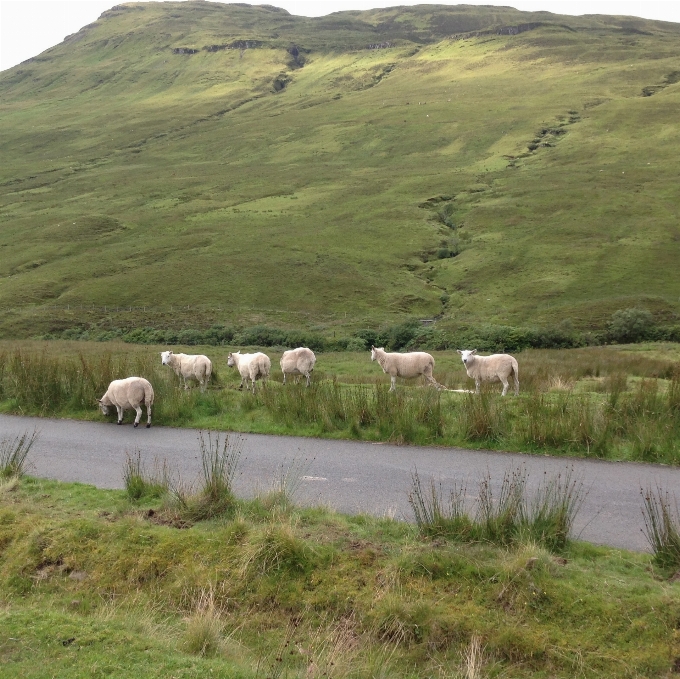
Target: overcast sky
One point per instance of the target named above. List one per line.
(29, 27)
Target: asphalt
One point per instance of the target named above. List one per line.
(351, 477)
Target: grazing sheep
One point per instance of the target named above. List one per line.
(128, 394)
(250, 366)
(189, 366)
(298, 361)
(494, 368)
(413, 364)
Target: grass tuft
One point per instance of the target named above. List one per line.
(662, 526)
(13, 454)
(141, 484)
(508, 518)
(204, 629)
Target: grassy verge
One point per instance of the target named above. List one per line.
(93, 583)
(608, 402)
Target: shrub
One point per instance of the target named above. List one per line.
(356, 344)
(631, 325)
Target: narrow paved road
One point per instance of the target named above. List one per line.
(352, 477)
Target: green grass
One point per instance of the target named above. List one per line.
(92, 584)
(618, 403)
(143, 187)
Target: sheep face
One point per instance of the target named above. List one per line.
(103, 408)
(165, 357)
(231, 361)
(374, 353)
(465, 354)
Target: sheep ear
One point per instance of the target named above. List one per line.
(459, 351)
(474, 351)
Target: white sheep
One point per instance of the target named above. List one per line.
(408, 365)
(298, 361)
(250, 366)
(494, 368)
(189, 366)
(128, 394)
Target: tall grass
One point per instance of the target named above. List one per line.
(662, 526)
(140, 483)
(401, 417)
(619, 418)
(214, 496)
(510, 516)
(14, 453)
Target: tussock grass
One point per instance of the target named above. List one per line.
(662, 526)
(311, 594)
(140, 483)
(506, 517)
(203, 634)
(621, 404)
(14, 453)
(214, 495)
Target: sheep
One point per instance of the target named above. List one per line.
(405, 365)
(128, 394)
(494, 368)
(250, 366)
(189, 366)
(298, 361)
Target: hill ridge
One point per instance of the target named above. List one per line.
(289, 175)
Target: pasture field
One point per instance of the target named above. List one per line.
(155, 583)
(614, 402)
(184, 164)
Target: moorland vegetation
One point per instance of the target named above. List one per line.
(178, 166)
(614, 402)
(166, 577)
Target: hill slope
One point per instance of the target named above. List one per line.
(324, 171)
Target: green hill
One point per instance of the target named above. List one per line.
(196, 163)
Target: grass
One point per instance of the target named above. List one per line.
(136, 177)
(510, 518)
(662, 527)
(91, 584)
(606, 402)
(14, 453)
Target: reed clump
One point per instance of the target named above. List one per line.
(503, 515)
(662, 526)
(14, 454)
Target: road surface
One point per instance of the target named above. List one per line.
(352, 477)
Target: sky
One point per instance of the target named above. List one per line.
(29, 27)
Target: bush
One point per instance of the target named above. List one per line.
(355, 344)
(631, 325)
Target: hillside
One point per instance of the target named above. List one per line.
(199, 162)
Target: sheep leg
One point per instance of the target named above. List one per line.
(516, 385)
(309, 378)
(139, 415)
(477, 386)
(284, 378)
(432, 381)
(120, 414)
(148, 416)
(504, 380)
(393, 379)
